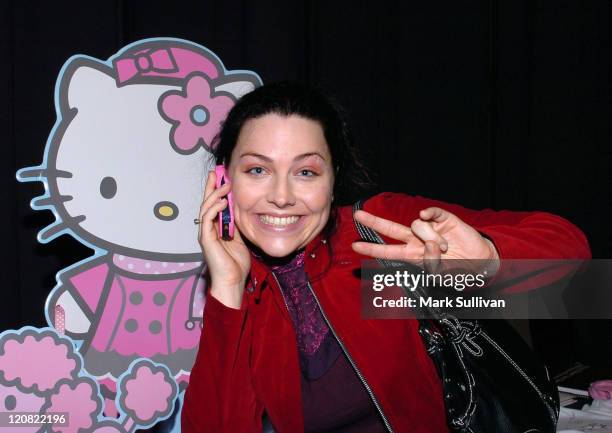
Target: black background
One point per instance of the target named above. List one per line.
(502, 104)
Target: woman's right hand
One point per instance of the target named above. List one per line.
(228, 262)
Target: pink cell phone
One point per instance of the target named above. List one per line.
(226, 216)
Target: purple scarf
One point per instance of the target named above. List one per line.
(317, 346)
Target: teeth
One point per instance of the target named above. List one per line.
(276, 221)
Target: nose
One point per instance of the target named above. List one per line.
(281, 193)
(165, 210)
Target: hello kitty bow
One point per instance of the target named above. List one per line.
(144, 62)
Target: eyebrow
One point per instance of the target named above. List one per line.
(268, 159)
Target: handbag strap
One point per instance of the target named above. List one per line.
(370, 235)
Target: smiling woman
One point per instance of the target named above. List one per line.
(283, 333)
(282, 176)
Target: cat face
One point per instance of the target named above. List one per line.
(119, 183)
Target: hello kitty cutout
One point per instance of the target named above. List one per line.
(124, 170)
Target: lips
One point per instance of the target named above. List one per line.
(276, 221)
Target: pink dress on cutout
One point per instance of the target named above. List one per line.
(140, 308)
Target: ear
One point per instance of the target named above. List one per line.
(237, 88)
(87, 85)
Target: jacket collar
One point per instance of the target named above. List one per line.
(317, 259)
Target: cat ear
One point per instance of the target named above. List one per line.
(237, 88)
(87, 86)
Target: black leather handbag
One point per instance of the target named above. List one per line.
(492, 381)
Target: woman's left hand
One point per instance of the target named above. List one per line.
(437, 234)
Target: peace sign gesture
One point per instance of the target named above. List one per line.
(437, 234)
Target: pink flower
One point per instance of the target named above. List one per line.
(80, 400)
(36, 359)
(196, 114)
(147, 392)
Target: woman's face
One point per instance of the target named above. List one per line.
(282, 182)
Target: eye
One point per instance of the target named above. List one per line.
(10, 402)
(256, 171)
(307, 173)
(108, 187)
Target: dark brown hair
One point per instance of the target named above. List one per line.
(352, 179)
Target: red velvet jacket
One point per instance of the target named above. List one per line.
(248, 358)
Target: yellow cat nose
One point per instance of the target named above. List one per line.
(165, 210)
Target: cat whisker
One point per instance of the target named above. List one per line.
(59, 173)
(43, 201)
(36, 173)
(49, 232)
(31, 173)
